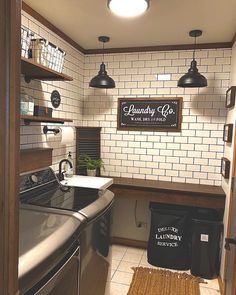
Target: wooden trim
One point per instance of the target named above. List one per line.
(64, 36)
(88, 127)
(234, 39)
(160, 48)
(10, 18)
(228, 232)
(221, 285)
(33, 159)
(129, 242)
(50, 26)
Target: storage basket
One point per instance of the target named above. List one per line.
(40, 51)
(62, 55)
(47, 54)
(58, 59)
(26, 36)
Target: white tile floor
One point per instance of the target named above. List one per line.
(124, 258)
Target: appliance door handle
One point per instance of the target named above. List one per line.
(229, 241)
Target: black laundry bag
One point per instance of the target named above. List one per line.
(169, 239)
(207, 233)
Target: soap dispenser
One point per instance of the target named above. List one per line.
(69, 171)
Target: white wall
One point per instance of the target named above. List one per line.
(192, 155)
(71, 96)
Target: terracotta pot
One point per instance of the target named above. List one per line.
(91, 172)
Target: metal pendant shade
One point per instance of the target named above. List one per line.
(193, 78)
(102, 80)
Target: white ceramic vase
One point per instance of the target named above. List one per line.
(91, 172)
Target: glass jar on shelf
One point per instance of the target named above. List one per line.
(26, 104)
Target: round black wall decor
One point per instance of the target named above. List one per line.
(55, 98)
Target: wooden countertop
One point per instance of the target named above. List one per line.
(170, 192)
(169, 186)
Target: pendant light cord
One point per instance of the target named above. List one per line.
(195, 42)
(103, 52)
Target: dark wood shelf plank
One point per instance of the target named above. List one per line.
(29, 119)
(35, 158)
(33, 70)
(187, 194)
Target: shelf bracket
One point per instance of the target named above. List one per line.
(27, 79)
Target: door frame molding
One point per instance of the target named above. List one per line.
(233, 174)
(10, 22)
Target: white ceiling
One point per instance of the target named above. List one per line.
(167, 22)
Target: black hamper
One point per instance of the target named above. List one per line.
(207, 231)
(169, 239)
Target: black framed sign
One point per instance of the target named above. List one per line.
(230, 97)
(150, 114)
(228, 133)
(55, 99)
(225, 167)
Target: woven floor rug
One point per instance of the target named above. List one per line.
(149, 281)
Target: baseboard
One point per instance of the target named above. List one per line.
(221, 285)
(129, 242)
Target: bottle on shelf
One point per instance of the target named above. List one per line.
(26, 104)
(69, 171)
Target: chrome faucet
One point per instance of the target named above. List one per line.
(61, 173)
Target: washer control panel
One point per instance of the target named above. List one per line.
(35, 179)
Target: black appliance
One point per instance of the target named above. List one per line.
(42, 188)
(49, 252)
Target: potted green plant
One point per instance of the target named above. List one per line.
(91, 165)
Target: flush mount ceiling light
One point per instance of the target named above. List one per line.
(128, 8)
(102, 80)
(193, 78)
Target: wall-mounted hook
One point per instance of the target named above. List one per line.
(54, 130)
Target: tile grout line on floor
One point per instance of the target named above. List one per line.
(122, 277)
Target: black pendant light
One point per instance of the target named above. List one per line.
(193, 78)
(102, 80)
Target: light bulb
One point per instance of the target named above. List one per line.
(128, 8)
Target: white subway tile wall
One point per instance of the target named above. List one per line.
(71, 96)
(192, 155)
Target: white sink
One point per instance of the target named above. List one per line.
(88, 182)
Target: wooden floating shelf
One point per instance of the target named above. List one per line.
(36, 158)
(29, 119)
(33, 70)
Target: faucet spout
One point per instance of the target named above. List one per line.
(61, 173)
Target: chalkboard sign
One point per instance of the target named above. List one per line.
(150, 114)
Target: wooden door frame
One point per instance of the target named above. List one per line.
(10, 20)
(230, 216)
